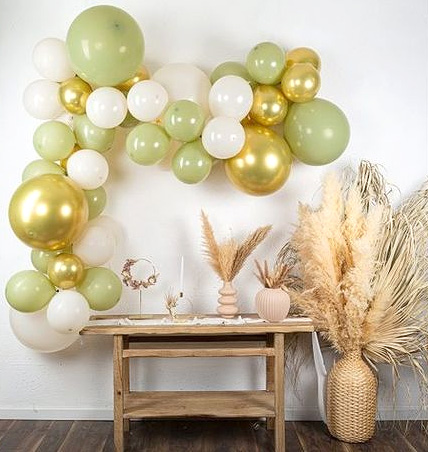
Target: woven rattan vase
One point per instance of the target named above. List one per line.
(351, 399)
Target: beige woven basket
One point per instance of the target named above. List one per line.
(351, 399)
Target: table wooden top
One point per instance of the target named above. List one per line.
(105, 325)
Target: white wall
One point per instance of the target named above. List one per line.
(374, 56)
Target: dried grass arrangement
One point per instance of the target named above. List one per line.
(364, 270)
(227, 259)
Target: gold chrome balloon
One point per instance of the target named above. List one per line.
(48, 212)
(73, 94)
(269, 105)
(300, 82)
(302, 55)
(65, 270)
(264, 163)
(142, 74)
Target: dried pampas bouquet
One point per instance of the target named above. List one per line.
(364, 271)
(227, 259)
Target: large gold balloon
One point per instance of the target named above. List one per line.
(73, 94)
(142, 74)
(48, 212)
(65, 270)
(264, 163)
(269, 105)
(301, 82)
(302, 55)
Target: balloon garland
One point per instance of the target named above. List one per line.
(97, 76)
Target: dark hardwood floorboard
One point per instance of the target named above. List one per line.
(86, 436)
(199, 436)
(24, 436)
(314, 437)
(55, 436)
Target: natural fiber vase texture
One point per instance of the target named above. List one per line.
(351, 399)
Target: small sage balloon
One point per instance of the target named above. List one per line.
(147, 144)
(230, 68)
(39, 167)
(101, 287)
(317, 131)
(184, 120)
(192, 163)
(29, 291)
(54, 140)
(89, 136)
(266, 62)
(97, 199)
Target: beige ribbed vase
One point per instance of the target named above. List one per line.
(228, 301)
(351, 399)
(272, 304)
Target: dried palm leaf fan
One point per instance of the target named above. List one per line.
(364, 270)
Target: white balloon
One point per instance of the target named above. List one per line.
(223, 137)
(231, 96)
(147, 100)
(68, 312)
(112, 225)
(184, 81)
(96, 245)
(88, 168)
(51, 60)
(106, 107)
(34, 331)
(41, 99)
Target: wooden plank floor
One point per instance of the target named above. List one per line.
(197, 436)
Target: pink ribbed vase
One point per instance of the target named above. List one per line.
(272, 304)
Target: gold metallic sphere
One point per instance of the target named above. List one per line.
(302, 55)
(269, 105)
(264, 163)
(301, 82)
(73, 94)
(48, 212)
(142, 74)
(65, 270)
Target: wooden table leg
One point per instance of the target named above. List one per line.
(270, 378)
(126, 378)
(279, 393)
(118, 392)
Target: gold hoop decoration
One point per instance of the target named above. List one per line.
(138, 284)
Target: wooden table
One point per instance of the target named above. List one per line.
(186, 340)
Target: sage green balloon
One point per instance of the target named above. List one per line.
(29, 291)
(40, 258)
(230, 68)
(317, 131)
(39, 167)
(89, 136)
(97, 199)
(54, 140)
(184, 120)
(266, 63)
(105, 45)
(192, 163)
(147, 144)
(101, 287)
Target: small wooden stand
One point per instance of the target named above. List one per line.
(186, 340)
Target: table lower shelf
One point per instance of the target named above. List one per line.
(251, 404)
